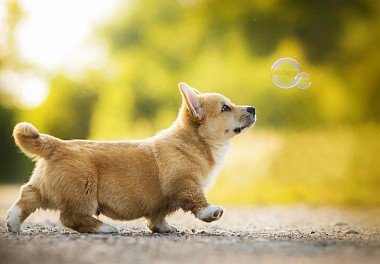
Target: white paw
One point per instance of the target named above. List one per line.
(13, 219)
(104, 228)
(210, 213)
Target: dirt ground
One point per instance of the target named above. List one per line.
(275, 234)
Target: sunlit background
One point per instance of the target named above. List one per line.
(108, 69)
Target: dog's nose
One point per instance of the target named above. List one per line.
(251, 110)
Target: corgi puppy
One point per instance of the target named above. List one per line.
(126, 179)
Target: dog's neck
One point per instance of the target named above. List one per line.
(188, 129)
(187, 132)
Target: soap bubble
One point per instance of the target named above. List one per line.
(284, 72)
(303, 80)
(287, 73)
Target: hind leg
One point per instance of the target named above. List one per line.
(84, 223)
(28, 202)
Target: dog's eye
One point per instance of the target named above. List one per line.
(226, 108)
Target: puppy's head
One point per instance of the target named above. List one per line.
(214, 115)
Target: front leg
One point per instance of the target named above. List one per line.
(210, 213)
(193, 199)
(160, 226)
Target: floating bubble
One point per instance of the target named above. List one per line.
(284, 72)
(287, 73)
(303, 80)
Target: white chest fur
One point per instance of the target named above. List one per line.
(219, 156)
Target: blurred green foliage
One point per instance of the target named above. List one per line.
(66, 115)
(321, 167)
(228, 47)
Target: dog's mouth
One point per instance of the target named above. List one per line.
(248, 123)
(240, 129)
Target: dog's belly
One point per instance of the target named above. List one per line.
(131, 196)
(122, 212)
(132, 202)
(120, 181)
(134, 196)
(128, 185)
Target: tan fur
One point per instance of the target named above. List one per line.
(127, 180)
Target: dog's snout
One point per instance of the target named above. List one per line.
(251, 110)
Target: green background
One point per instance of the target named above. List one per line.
(318, 146)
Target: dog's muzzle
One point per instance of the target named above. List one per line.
(248, 122)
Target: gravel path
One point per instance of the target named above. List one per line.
(280, 234)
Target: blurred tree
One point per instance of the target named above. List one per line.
(215, 45)
(12, 165)
(10, 169)
(67, 110)
(65, 113)
(229, 47)
(9, 57)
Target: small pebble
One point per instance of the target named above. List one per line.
(340, 224)
(351, 231)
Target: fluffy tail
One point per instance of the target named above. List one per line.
(32, 143)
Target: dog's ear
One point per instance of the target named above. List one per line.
(192, 100)
(195, 90)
